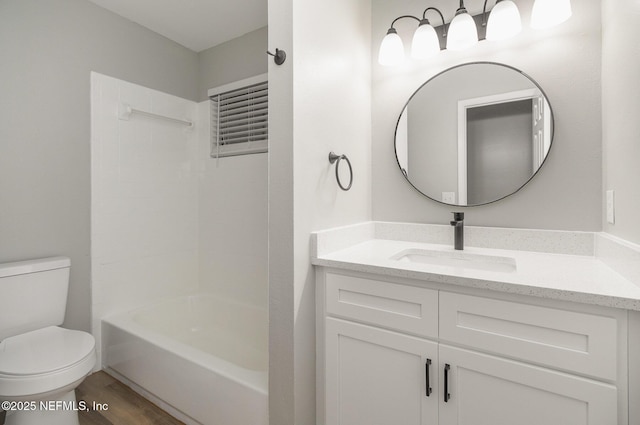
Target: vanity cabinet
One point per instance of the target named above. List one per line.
(395, 351)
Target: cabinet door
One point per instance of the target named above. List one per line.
(378, 377)
(486, 390)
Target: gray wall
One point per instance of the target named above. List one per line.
(499, 150)
(242, 57)
(620, 109)
(48, 49)
(565, 61)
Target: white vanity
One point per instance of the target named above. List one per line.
(410, 332)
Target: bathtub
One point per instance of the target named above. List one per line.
(202, 358)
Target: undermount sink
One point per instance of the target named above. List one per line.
(456, 259)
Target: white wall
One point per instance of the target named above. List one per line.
(320, 103)
(144, 199)
(620, 110)
(565, 61)
(281, 219)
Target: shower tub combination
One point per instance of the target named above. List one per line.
(201, 357)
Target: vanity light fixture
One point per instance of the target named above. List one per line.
(425, 42)
(391, 49)
(504, 20)
(549, 13)
(462, 33)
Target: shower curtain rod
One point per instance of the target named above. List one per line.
(126, 111)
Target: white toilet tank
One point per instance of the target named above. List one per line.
(33, 294)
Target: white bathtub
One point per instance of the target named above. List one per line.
(201, 355)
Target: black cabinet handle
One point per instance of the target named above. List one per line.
(447, 396)
(427, 366)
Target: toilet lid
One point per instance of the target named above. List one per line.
(44, 350)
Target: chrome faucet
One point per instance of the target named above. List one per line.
(458, 230)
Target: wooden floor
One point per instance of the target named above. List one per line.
(125, 407)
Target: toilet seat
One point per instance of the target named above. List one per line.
(44, 360)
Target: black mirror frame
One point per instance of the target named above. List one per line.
(553, 126)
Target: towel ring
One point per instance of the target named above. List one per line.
(333, 158)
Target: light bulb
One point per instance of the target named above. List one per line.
(391, 49)
(462, 32)
(549, 13)
(425, 42)
(504, 21)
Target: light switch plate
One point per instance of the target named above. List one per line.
(611, 205)
(449, 197)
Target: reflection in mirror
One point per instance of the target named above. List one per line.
(474, 134)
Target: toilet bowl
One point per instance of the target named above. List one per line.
(41, 363)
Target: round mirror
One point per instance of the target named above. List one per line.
(474, 134)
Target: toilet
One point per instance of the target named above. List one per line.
(41, 364)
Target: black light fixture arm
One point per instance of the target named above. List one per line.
(401, 17)
(424, 18)
(461, 9)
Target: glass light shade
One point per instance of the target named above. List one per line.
(462, 33)
(549, 13)
(425, 42)
(504, 21)
(391, 49)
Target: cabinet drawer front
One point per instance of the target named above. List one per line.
(578, 342)
(404, 308)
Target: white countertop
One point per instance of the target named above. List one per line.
(576, 278)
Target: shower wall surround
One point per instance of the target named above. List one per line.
(166, 219)
(144, 199)
(233, 221)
